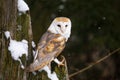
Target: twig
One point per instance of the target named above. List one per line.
(91, 65)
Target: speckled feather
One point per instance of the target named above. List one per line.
(50, 46)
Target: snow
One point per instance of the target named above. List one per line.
(57, 61)
(22, 66)
(54, 76)
(33, 44)
(50, 75)
(7, 34)
(17, 48)
(22, 6)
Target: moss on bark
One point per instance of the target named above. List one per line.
(20, 28)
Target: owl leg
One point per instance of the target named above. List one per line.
(60, 63)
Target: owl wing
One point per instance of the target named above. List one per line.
(50, 46)
(41, 43)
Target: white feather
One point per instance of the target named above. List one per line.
(58, 30)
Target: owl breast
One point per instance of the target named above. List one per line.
(59, 44)
(56, 45)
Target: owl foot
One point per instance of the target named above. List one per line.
(60, 63)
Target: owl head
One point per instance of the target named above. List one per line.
(62, 26)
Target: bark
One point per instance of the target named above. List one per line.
(20, 28)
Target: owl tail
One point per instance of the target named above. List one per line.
(30, 68)
(34, 66)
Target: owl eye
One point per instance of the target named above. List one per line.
(59, 25)
(66, 25)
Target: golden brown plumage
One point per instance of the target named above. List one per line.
(51, 44)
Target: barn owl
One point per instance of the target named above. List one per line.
(51, 44)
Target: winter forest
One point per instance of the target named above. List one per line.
(89, 49)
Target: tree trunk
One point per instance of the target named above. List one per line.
(20, 28)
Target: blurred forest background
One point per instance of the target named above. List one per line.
(95, 32)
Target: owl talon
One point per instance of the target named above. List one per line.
(60, 63)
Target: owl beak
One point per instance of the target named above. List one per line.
(62, 29)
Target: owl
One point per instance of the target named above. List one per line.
(51, 44)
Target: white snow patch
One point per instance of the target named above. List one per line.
(22, 6)
(51, 76)
(22, 66)
(7, 34)
(17, 49)
(54, 76)
(33, 44)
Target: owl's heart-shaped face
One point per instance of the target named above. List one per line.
(62, 26)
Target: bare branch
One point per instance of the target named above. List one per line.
(93, 64)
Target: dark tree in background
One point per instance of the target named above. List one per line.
(95, 32)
